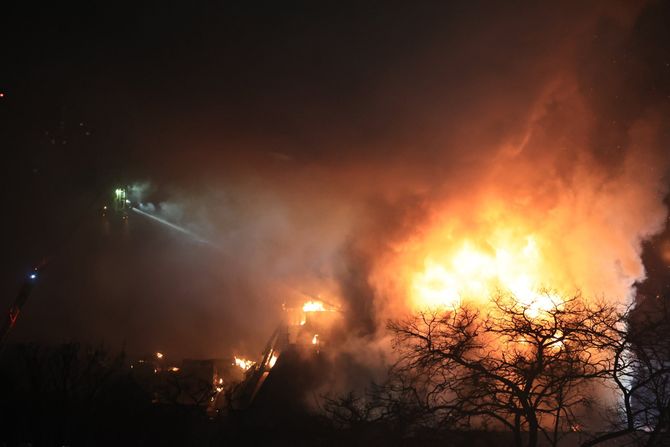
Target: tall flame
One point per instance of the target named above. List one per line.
(470, 272)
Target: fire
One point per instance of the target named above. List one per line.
(313, 306)
(435, 287)
(315, 339)
(472, 272)
(244, 364)
(218, 384)
(273, 360)
(159, 355)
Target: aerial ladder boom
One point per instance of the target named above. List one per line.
(9, 320)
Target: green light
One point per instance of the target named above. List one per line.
(120, 201)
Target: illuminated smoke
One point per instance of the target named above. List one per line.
(522, 147)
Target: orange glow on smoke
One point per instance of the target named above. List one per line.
(532, 215)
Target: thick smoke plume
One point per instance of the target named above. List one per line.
(376, 148)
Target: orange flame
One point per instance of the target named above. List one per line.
(474, 273)
(243, 364)
(313, 306)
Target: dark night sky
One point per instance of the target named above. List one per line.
(189, 95)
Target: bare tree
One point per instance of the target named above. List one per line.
(184, 390)
(640, 348)
(395, 407)
(512, 367)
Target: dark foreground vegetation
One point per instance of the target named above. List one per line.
(466, 378)
(82, 395)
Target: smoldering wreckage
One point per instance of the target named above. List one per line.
(235, 383)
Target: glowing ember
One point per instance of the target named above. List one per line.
(313, 306)
(243, 364)
(218, 385)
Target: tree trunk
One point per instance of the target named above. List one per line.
(518, 442)
(532, 431)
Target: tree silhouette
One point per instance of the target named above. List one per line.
(512, 367)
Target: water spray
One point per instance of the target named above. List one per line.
(172, 226)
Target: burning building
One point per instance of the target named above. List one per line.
(296, 344)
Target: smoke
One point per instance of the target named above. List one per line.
(333, 153)
(534, 124)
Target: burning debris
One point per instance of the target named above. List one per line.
(272, 360)
(313, 306)
(298, 333)
(243, 364)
